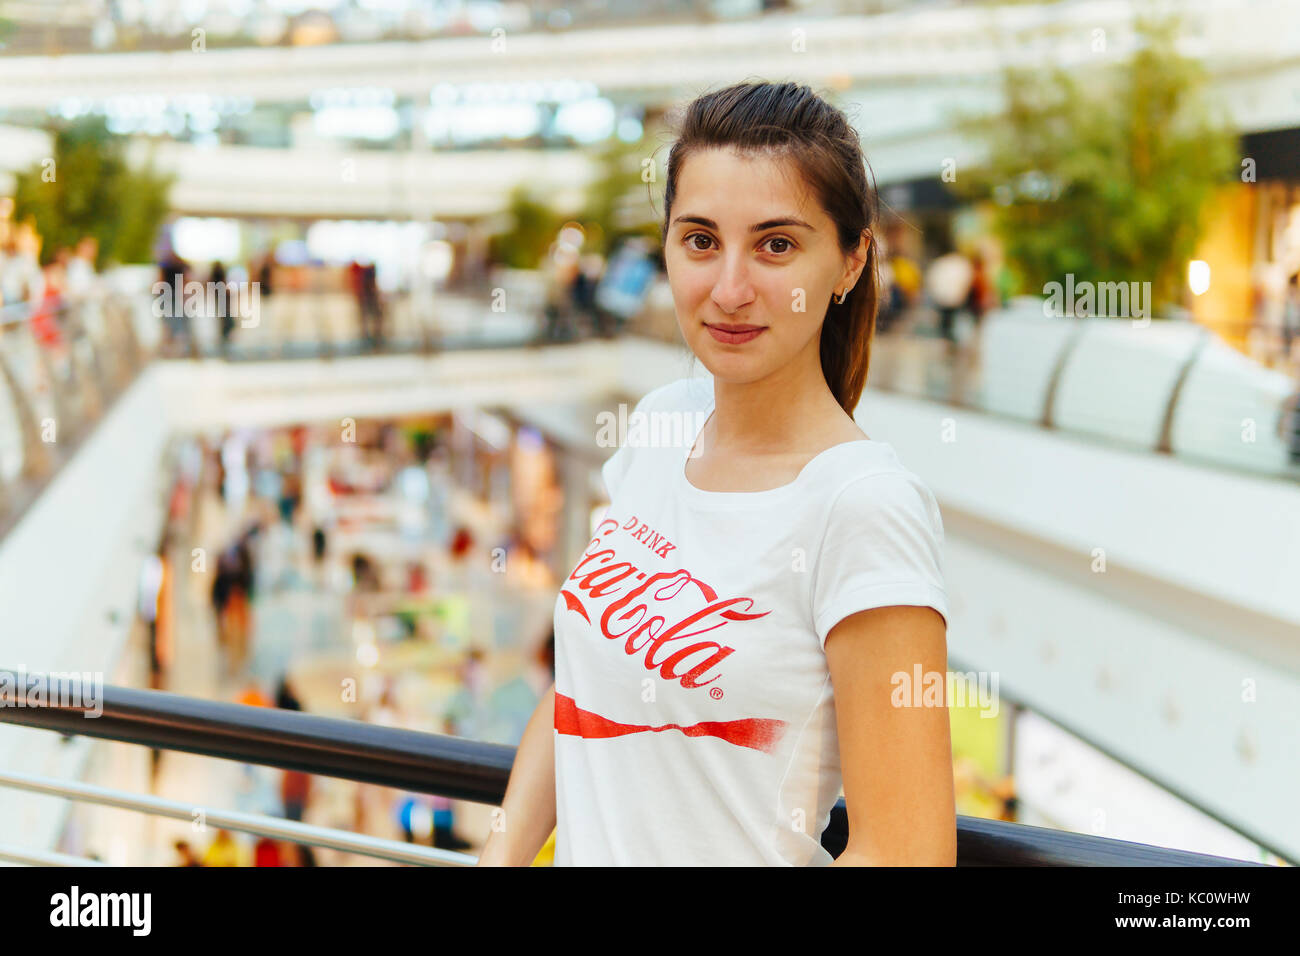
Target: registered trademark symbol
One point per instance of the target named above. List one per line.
(715, 693)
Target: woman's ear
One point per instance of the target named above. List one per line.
(856, 260)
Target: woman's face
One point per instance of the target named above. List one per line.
(749, 246)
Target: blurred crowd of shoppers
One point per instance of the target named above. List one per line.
(587, 295)
(225, 850)
(260, 478)
(69, 277)
(222, 296)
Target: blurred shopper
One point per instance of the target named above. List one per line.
(81, 268)
(444, 838)
(232, 591)
(561, 270)
(319, 546)
(222, 587)
(13, 286)
(295, 791)
(185, 854)
(353, 273)
(462, 540)
(907, 280)
(413, 815)
(891, 299)
(982, 295)
(175, 272)
(290, 496)
(21, 278)
(369, 306)
(1289, 426)
(264, 269)
(1290, 315)
(590, 269)
(219, 290)
(285, 698)
(473, 676)
(948, 283)
(900, 280)
(1005, 790)
(78, 289)
(259, 271)
(153, 599)
(365, 576)
(44, 319)
(162, 634)
(266, 852)
(223, 851)
(443, 810)
(417, 578)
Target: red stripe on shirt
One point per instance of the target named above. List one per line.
(756, 733)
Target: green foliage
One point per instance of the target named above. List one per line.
(619, 202)
(143, 214)
(616, 205)
(89, 190)
(534, 227)
(1105, 173)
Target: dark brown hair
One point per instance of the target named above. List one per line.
(787, 120)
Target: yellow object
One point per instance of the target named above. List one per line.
(907, 276)
(546, 855)
(222, 852)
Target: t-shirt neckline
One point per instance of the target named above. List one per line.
(730, 498)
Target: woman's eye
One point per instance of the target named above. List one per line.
(694, 239)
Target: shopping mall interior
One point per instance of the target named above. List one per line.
(311, 314)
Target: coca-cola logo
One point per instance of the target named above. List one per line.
(630, 616)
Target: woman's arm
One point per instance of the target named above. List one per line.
(529, 806)
(896, 760)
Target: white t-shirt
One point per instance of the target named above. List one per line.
(694, 713)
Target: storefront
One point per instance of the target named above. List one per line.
(1250, 249)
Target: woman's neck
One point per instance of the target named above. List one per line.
(774, 414)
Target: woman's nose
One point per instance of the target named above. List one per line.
(733, 289)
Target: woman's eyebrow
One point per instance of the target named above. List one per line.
(757, 227)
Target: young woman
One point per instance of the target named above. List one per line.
(760, 611)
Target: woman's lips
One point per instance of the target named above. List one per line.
(735, 338)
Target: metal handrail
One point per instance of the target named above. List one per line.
(330, 746)
(457, 768)
(21, 854)
(255, 823)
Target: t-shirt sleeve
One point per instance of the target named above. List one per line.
(883, 546)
